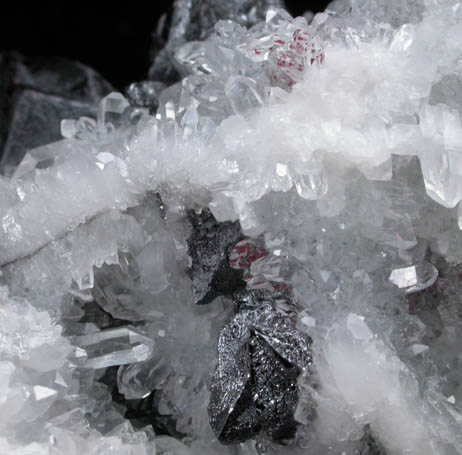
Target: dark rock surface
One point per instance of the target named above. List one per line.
(36, 94)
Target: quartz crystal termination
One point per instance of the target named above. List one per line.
(120, 346)
(260, 355)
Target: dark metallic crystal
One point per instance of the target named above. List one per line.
(145, 94)
(208, 247)
(245, 299)
(260, 355)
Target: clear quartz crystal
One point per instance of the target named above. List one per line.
(417, 349)
(414, 278)
(111, 109)
(68, 128)
(40, 157)
(111, 347)
(358, 328)
(242, 94)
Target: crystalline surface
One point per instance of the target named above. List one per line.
(301, 181)
(112, 347)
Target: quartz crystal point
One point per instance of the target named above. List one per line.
(414, 278)
(111, 347)
(254, 388)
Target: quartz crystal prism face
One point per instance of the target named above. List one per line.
(124, 345)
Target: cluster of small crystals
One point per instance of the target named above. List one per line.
(336, 145)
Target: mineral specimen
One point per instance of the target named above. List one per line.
(299, 179)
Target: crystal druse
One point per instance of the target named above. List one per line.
(256, 250)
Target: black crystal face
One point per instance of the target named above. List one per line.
(208, 247)
(268, 400)
(254, 389)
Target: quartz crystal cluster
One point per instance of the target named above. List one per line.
(257, 251)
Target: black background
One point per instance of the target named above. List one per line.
(114, 38)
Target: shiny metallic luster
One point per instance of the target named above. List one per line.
(260, 355)
(208, 247)
(145, 94)
(245, 299)
(282, 301)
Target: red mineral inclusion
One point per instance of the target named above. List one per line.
(246, 252)
(288, 59)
